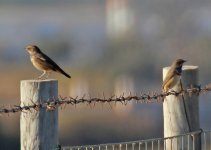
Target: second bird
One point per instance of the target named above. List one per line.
(173, 75)
(42, 62)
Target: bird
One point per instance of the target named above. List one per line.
(42, 62)
(173, 75)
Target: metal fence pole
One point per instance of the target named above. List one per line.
(181, 113)
(39, 129)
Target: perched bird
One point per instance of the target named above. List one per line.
(173, 75)
(42, 62)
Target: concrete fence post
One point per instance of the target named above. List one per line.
(181, 114)
(38, 129)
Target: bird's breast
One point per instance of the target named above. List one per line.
(38, 64)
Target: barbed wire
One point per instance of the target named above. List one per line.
(55, 102)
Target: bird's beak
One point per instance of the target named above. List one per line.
(184, 61)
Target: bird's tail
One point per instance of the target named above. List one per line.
(64, 73)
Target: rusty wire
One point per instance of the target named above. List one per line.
(151, 97)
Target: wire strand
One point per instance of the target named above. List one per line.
(53, 103)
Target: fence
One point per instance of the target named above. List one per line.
(184, 142)
(40, 103)
(55, 102)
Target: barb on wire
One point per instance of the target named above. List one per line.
(151, 97)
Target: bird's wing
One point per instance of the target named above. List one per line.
(49, 63)
(169, 76)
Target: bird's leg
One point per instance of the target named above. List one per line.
(40, 77)
(181, 86)
(48, 73)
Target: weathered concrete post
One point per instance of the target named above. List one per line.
(181, 115)
(39, 129)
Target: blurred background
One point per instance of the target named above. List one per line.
(110, 47)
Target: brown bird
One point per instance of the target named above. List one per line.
(42, 62)
(173, 75)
